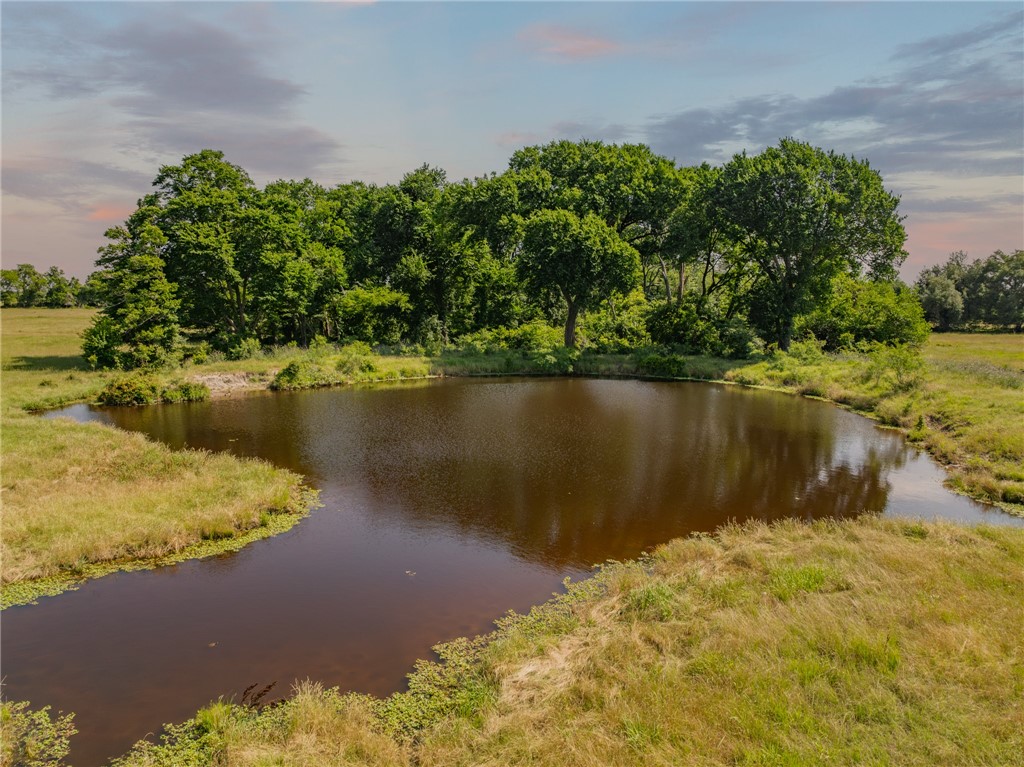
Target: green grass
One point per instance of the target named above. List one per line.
(863, 642)
(82, 500)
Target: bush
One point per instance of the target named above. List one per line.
(186, 391)
(663, 364)
(863, 311)
(303, 374)
(374, 315)
(615, 329)
(533, 336)
(135, 389)
(244, 349)
(356, 358)
(99, 343)
(558, 361)
(198, 353)
(901, 367)
(696, 326)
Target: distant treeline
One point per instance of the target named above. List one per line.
(615, 245)
(985, 292)
(26, 286)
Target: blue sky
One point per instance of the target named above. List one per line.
(96, 96)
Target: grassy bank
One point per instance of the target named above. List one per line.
(865, 642)
(963, 401)
(82, 500)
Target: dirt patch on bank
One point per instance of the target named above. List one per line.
(228, 384)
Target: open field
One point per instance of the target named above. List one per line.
(866, 642)
(80, 500)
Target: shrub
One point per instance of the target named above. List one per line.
(696, 326)
(899, 366)
(302, 374)
(533, 336)
(99, 343)
(860, 310)
(134, 389)
(243, 349)
(198, 353)
(186, 391)
(374, 315)
(560, 360)
(616, 328)
(355, 358)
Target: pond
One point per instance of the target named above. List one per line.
(445, 504)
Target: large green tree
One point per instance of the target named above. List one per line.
(581, 259)
(802, 216)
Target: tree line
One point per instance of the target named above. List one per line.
(614, 244)
(986, 291)
(25, 286)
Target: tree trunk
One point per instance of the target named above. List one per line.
(570, 325)
(785, 334)
(682, 281)
(664, 277)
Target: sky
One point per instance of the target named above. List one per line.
(97, 96)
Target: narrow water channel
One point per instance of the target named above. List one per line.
(445, 504)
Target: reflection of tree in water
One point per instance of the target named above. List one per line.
(564, 472)
(574, 472)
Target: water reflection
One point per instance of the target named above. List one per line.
(565, 473)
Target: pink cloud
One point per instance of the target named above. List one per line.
(564, 43)
(111, 212)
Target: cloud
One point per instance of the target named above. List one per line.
(66, 181)
(963, 115)
(110, 212)
(946, 129)
(172, 82)
(154, 64)
(262, 146)
(557, 42)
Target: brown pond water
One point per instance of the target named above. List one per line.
(490, 491)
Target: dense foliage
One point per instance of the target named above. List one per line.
(987, 291)
(617, 246)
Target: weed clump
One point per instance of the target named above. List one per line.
(303, 374)
(134, 389)
(31, 737)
